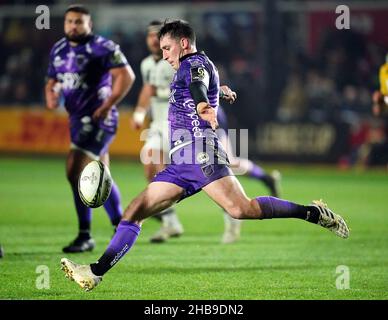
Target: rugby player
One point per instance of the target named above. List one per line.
(198, 162)
(93, 76)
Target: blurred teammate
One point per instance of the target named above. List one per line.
(157, 75)
(380, 98)
(92, 75)
(198, 162)
(1, 251)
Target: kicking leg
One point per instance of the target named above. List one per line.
(171, 226)
(155, 198)
(113, 204)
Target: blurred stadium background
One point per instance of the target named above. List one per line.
(304, 92)
(304, 86)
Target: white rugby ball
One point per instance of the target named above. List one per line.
(94, 184)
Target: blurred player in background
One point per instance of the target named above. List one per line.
(1, 251)
(93, 76)
(195, 87)
(157, 75)
(380, 97)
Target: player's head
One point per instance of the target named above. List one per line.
(177, 38)
(78, 23)
(153, 37)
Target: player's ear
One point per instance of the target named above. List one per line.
(184, 43)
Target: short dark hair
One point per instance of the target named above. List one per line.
(155, 23)
(77, 8)
(178, 29)
(155, 26)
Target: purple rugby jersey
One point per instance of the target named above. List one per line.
(83, 72)
(197, 158)
(185, 124)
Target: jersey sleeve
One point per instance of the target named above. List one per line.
(197, 71)
(113, 57)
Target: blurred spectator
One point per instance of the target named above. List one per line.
(293, 102)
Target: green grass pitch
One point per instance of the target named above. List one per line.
(282, 259)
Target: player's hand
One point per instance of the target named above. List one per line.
(207, 113)
(52, 96)
(52, 100)
(100, 114)
(138, 117)
(227, 94)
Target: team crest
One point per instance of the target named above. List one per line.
(81, 61)
(202, 157)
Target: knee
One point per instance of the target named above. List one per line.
(236, 212)
(246, 210)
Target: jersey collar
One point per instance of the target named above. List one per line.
(191, 54)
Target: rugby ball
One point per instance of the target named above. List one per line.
(94, 184)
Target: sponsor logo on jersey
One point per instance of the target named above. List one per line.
(195, 123)
(197, 74)
(71, 80)
(58, 62)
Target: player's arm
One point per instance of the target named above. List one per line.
(198, 86)
(227, 94)
(198, 92)
(52, 90)
(142, 105)
(122, 81)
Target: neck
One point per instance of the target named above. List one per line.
(191, 49)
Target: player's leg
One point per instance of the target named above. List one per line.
(113, 204)
(76, 161)
(156, 152)
(171, 226)
(229, 194)
(151, 169)
(155, 198)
